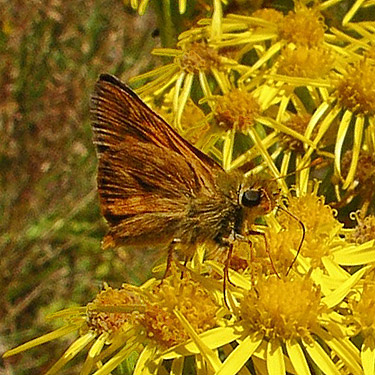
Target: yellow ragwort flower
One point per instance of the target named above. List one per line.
(145, 320)
(303, 26)
(304, 61)
(190, 299)
(236, 110)
(355, 90)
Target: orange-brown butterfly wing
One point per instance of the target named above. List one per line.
(147, 173)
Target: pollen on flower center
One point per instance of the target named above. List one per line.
(284, 309)
(100, 321)
(319, 221)
(188, 297)
(269, 14)
(305, 26)
(236, 110)
(365, 172)
(199, 57)
(364, 231)
(302, 61)
(356, 90)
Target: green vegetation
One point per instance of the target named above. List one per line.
(51, 53)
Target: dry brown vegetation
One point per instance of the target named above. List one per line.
(51, 53)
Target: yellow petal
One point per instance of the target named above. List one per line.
(41, 340)
(321, 359)
(213, 339)
(94, 351)
(143, 360)
(208, 354)
(275, 358)
(355, 255)
(340, 293)
(228, 148)
(341, 134)
(71, 352)
(343, 347)
(368, 359)
(119, 357)
(297, 358)
(358, 135)
(237, 359)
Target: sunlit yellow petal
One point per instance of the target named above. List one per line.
(68, 313)
(209, 355)
(282, 128)
(240, 355)
(344, 348)
(222, 80)
(297, 358)
(349, 15)
(324, 126)
(177, 90)
(266, 57)
(340, 293)
(142, 7)
(184, 96)
(341, 134)
(213, 338)
(234, 276)
(275, 358)
(368, 359)
(357, 141)
(159, 83)
(71, 352)
(228, 148)
(321, 358)
(182, 6)
(94, 351)
(334, 270)
(266, 156)
(134, 4)
(41, 340)
(354, 255)
(299, 81)
(285, 162)
(216, 29)
(205, 86)
(145, 357)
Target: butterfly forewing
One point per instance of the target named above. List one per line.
(147, 174)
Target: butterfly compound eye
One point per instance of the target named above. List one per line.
(251, 198)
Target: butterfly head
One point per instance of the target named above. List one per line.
(258, 197)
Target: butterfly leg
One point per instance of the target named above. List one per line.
(171, 249)
(184, 267)
(258, 233)
(230, 243)
(226, 273)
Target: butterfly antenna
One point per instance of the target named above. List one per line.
(314, 163)
(226, 279)
(302, 238)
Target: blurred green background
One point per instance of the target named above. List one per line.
(50, 225)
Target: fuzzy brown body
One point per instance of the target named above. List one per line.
(154, 186)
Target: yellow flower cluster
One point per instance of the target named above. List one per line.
(272, 317)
